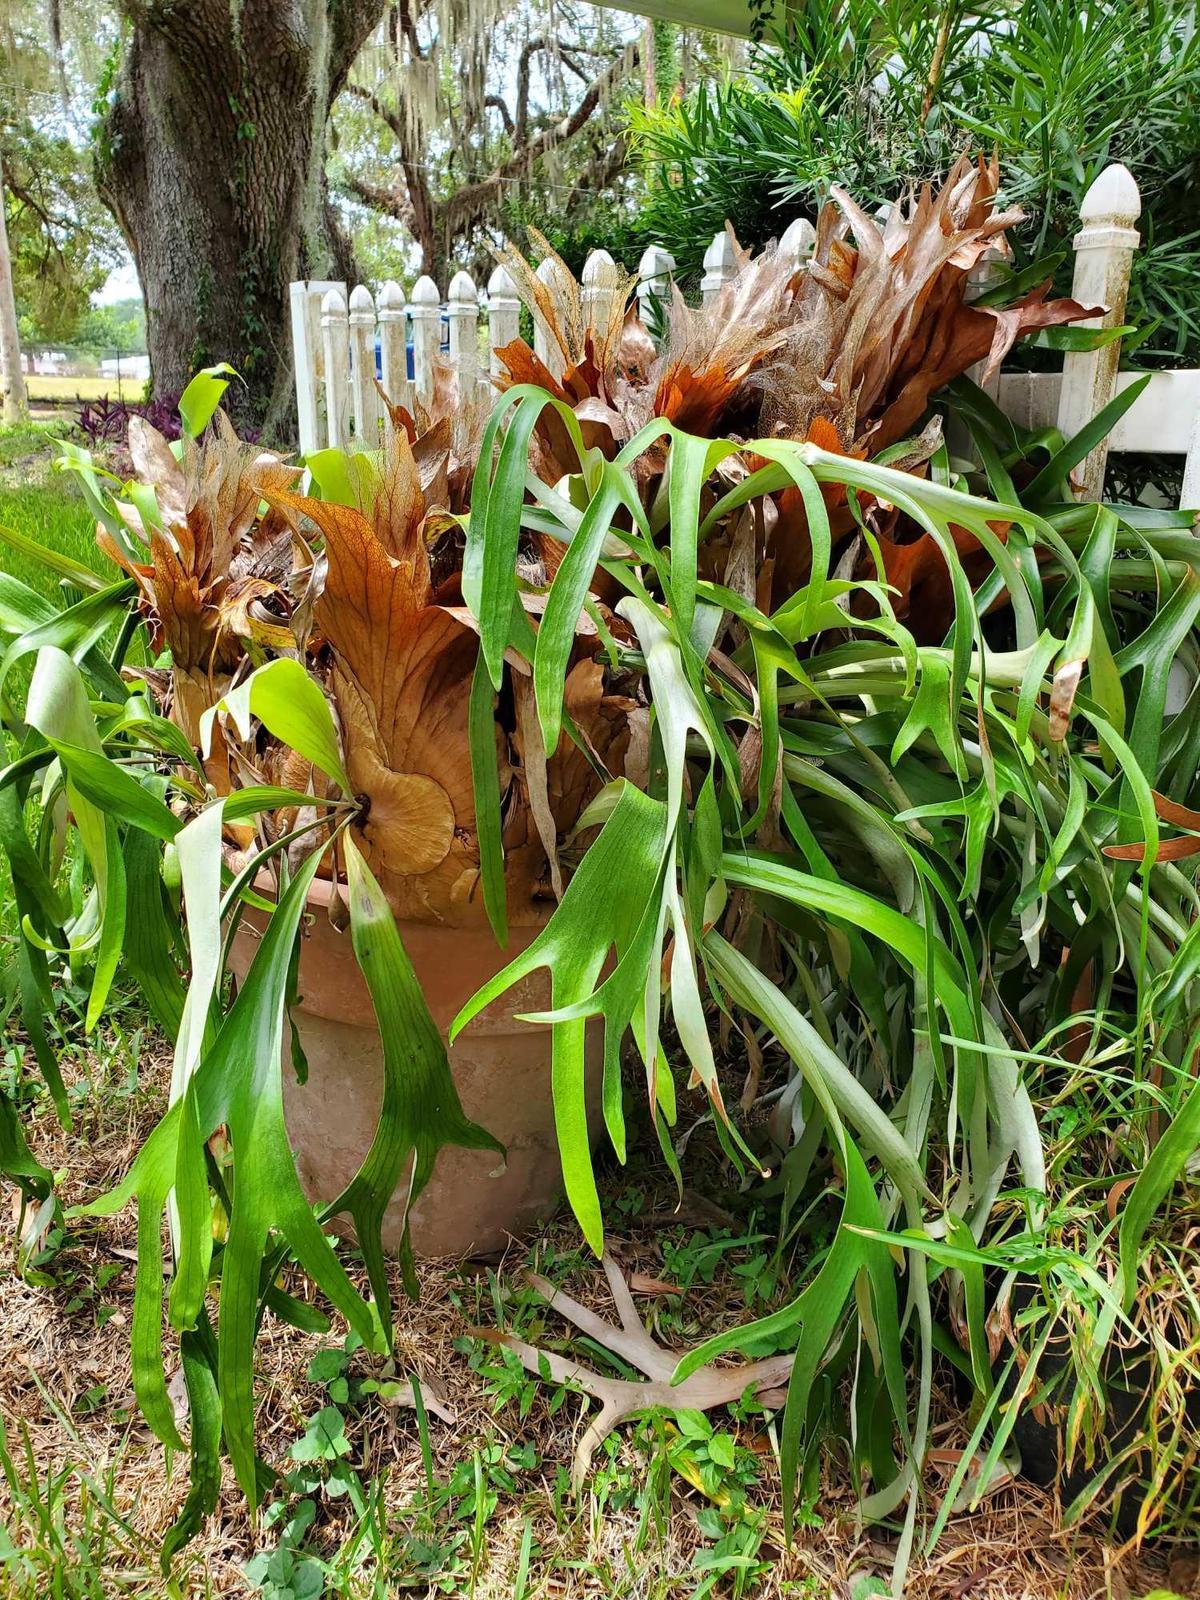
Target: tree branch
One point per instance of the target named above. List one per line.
(391, 202)
(469, 200)
(498, 103)
(385, 114)
(568, 60)
(403, 22)
(528, 50)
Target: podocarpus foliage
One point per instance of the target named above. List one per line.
(900, 832)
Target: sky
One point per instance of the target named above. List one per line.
(121, 284)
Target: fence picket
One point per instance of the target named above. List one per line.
(504, 314)
(308, 354)
(545, 345)
(363, 394)
(329, 384)
(720, 266)
(797, 241)
(599, 279)
(462, 309)
(654, 284)
(426, 310)
(393, 345)
(1104, 249)
(335, 338)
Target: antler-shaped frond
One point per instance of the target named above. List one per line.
(621, 1398)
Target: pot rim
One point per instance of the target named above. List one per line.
(320, 894)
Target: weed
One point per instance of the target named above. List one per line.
(64, 1536)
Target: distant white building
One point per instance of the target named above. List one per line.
(132, 366)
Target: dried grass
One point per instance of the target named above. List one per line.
(1013, 1548)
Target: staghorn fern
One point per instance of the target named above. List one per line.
(887, 840)
(930, 845)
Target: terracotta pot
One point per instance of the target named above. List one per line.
(474, 1202)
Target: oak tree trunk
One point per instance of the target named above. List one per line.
(211, 157)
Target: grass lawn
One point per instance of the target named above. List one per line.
(25, 446)
(53, 514)
(50, 386)
(41, 503)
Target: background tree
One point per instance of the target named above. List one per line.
(211, 153)
(10, 345)
(64, 242)
(61, 241)
(452, 135)
(118, 326)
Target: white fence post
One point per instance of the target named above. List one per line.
(308, 356)
(654, 281)
(1189, 498)
(720, 266)
(462, 309)
(335, 337)
(1104, 249)
(393, 338)
(798, 240)
(427, 335)
(364, 397)
(599, 280)
(504, 313)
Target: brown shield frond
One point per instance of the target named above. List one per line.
(215, 575)
(399, 673)
(882, 324)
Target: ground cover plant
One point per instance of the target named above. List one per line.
(879, 765)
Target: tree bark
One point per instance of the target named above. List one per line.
(211, 157)
(12, 378)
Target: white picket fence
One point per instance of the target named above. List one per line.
(334, 341)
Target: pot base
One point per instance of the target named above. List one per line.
(475, 1200)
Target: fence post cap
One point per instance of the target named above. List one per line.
(391, 297)
(720, 252)
(656, 262)
(500, 282)
(798, 238)
(548, 270)
(333, 305)
(425, 292)
(597, 266)
(362, 305)
(462, 290)
(1112, 197)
